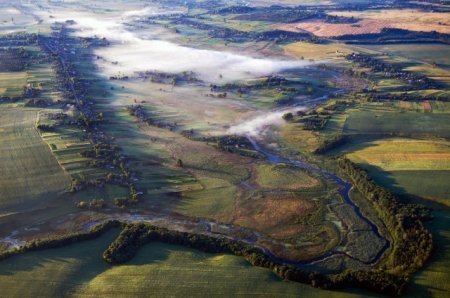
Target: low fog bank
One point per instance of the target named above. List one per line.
(256, 127)
(163, 56)
(129, 52)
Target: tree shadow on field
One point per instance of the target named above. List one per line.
(432, 279)
(155, 252)
(71, 265)
(384, 179)
(159, 252)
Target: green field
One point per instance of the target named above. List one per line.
(159, 270)
(398, 154)
(12, 83)
(165, 159)
(431, 185)
(383, 122)
(417, 167)
(28, 170)
(427, 53)
(432, 281)
(283, 177)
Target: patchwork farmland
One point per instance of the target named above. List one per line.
(219, 148)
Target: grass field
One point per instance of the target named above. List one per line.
(404, 154)
(418, 167)
(157, 270)
(28, 170)
(54, 272)
(432, 281)
(12, 83)
(385, 122)
(283, 177)
(335, 51)
(297, 139)
(282, 202)
(427, 53)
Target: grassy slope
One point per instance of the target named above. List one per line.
(54, 272)
(158, 270)
(28, 170)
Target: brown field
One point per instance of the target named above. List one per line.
(288, 231)
(374, 22)
(322, 29)
(272, 210)
(301, 253)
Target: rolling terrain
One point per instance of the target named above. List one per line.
(224, 148)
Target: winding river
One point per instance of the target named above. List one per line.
(248, 236)
(345, 188)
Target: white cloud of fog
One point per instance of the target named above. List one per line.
(134, 53)
(141, 55)
(256, 126)
(149, 11)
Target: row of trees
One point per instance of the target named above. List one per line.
(234, 35)
(404, 96)
(133, 236)
(103, 154)
(331, 143)
(61, 240)
(412, 242)
(394, 35)
(392, 71)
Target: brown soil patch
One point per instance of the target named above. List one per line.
(288, 231)
(365, 26)
(272, 211)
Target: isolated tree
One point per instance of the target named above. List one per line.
(288, 117)
(179, 163)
